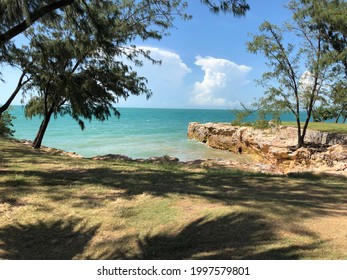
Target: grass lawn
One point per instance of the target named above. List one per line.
(55, 207)
(323, 126)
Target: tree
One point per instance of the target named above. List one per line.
(297, 73)
(17, 16)
(338, 100)
(5, 125)
(80, 71)
(330, 17)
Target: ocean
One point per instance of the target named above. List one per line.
(138, 133)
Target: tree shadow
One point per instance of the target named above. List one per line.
(16, 151)
(303, 194)
(236, 236)
(56, 240)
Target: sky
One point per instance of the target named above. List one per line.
(205, 62)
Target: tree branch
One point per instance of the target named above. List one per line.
(33, 17)
(15, 92)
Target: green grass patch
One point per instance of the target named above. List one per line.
(323, 126)
(56, 207)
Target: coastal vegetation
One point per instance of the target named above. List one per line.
(57, 207)
(18, 16)
(309, 72)
(79, 55)
(78, 62)
(6, 125)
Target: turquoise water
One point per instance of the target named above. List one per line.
(138, 133)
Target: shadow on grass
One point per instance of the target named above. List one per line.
(58, 240)
(15, 151)
(247, 235)
(236, 236)
(301, 194)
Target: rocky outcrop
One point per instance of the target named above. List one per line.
(326, 138)
(243, 139)
(325, 152)
(331, 159)
(162, 159)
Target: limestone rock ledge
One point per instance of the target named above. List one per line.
(326, 152)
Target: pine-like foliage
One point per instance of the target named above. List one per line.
(18, 15)
(79, 64)
(235, 7)
(329, 16)
(77, 61)
(298, 71)
(6, 125)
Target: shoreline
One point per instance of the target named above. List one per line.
(324, 153)
(86, 209)
(299, 162)
(255, 166)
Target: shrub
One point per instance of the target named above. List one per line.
(261, 124)
(6, 125)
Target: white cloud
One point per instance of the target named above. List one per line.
(172, 68)
(174, 86)
(306, 82)
(167, 80)
(221, 80)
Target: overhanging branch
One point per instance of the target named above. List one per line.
(22, 26)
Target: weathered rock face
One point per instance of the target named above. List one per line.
(219, 136)
(326, 138)
(243, 139)
(327, 152)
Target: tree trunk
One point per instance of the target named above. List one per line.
(344, 119)
(338, 116)
(43, 127)
(14, 94)
(4, 107)
(304, 129)
(300, 141)
(301, 135)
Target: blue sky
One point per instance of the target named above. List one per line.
(205, 63)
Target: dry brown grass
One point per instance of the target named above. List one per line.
(55, 207)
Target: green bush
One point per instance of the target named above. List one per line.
(261, 124)
(236, 123)
(6, 125)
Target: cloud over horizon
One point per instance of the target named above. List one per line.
(167, 80)
(172, 68)
(175, 85)
(221, 80)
